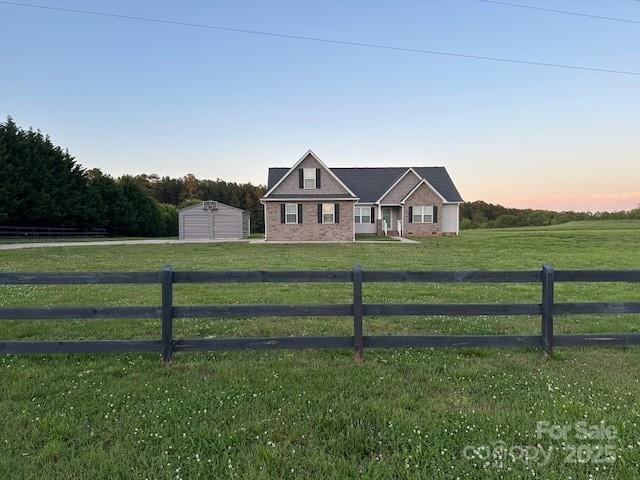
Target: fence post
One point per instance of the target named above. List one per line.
(166, 278)
(547, 309)
(358, 341)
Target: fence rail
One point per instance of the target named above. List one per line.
(50, 232)
(167, 345)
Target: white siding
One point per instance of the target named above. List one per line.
(450, 218)
(366, 227)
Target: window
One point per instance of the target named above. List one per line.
(328, 213)
(423, 214)
(291, 213)
(362, 215)
(309, 178)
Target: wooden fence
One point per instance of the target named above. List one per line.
(51, 232)
(166, 312)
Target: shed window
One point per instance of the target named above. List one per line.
(291, 213)
(309, 178)
(362, 215)
(328, 213)
(423, 214)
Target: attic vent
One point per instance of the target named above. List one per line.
(210, 205)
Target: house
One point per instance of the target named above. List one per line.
(211, 220)
(312, 202)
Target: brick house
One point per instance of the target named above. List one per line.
(312, 202)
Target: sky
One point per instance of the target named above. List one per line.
(130, 97)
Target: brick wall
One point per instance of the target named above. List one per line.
(424, 195)
(310, 229)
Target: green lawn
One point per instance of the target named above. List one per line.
(374, 237)
(587, 225)
(314, 414)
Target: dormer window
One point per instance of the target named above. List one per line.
(309, 178)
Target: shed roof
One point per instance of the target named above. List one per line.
(199, 205)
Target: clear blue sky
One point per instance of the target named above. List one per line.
(131, 97)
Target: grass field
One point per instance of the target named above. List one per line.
(314, 414)
(587, 225)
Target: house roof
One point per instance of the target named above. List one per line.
(370, 183)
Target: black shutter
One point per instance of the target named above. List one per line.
(410, 214)
(337, 212)
(435, 214)
(319, 213)
(317, 178)
(373, 214)
(282, 207)
(301, 178)
(299, 213)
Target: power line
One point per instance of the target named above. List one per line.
(322, 40)
(563, 12)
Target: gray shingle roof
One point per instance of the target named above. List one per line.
(439, 178)
(370, 183)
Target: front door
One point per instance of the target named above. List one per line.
(386, 217)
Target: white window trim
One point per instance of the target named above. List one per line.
(423, 213)
(286, 214)
(312, 176)
(358, 214)
(333, 214)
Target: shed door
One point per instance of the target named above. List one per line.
(227, 224)
(197, 226)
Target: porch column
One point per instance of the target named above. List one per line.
(379, 220)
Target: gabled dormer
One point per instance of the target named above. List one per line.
(309, 177)
(399, 189)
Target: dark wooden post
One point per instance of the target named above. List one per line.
(547, 309)
(166, 278)
(358, 340)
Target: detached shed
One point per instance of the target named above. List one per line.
(211, 220)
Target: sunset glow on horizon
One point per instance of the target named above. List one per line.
(589, 203)
(133, 97)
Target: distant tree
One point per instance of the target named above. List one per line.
(169, 190)
(190, 190)
(41, 184)
(481, 214)
(169, 215)
(190, 185)
(506, 220)
(139, 210)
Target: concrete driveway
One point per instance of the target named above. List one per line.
(19, 246)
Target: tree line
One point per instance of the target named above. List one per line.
(42, 185)
(481, 214)
(188, 190)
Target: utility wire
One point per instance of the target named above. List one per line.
(563, 12)
(321, 39)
